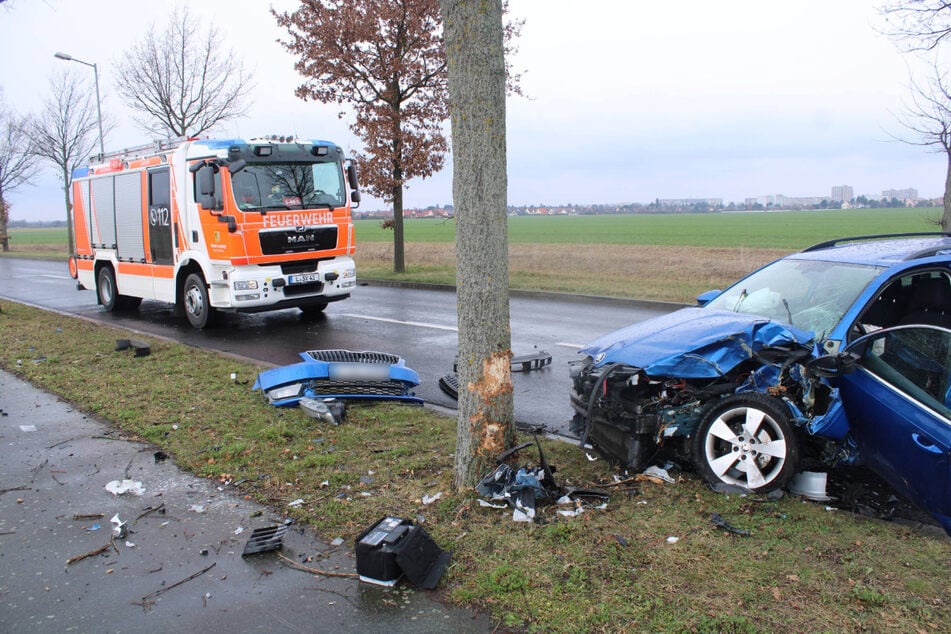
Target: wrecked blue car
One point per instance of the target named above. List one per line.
(837, 353)
(340, 374)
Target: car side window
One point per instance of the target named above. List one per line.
(920, 298)
(915, 360)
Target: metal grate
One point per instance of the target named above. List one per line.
(366, 388)
(266, 539)
(346, 356)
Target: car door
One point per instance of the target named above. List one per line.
(897, 401)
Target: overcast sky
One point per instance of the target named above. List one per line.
(626, 101)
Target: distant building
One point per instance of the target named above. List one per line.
(842, 193)
(909, 195)
(682, 203)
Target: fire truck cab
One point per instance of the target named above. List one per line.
(217, 225)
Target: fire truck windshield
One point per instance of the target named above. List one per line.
(268, 186)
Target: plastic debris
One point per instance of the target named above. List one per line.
(119, 528)
(657, 475)
(338, 541)
(429, 499)
(120, 487)
(718, 520)
(197, 508)
(297, 502)
(673, 540)
(328, 411)
(94, 527)
(266, 539)
(521, 488)
(142, 349)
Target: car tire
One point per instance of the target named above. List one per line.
(197, 304)
(747, 440)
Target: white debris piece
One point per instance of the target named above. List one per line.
(490, 505)
(117, 487)
(429, 499)
(654, 471)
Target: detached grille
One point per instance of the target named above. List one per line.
(346, 356)
(362, 388)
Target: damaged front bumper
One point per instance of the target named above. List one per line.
(340, 374)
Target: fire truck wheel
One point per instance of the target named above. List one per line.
(106, 288)
(313, 310)
(198, 308)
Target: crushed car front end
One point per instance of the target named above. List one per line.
(640, 390)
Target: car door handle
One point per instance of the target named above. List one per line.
(925, 444)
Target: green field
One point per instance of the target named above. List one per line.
(670, 257)
(775, 230)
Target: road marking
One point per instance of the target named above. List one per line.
(55, 277)
(576, 346)
(403, 323)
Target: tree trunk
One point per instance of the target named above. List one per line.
(4, 238)
(946, 216)
(473, 39)
(399, 258)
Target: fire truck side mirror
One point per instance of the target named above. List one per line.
(205, 180)
(354, 186)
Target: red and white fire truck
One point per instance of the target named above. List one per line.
(217, 225)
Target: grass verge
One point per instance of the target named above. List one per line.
(804, 568)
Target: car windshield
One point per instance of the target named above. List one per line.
(808, 294)
(263, 187)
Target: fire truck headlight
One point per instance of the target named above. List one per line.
(348, 274)
(246, 285)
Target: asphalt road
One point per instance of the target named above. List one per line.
(417, 324)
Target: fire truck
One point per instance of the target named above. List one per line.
(217, 225)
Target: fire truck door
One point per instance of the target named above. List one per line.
(160, 216)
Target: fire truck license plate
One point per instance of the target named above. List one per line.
(303, 278)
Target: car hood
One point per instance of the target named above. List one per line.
(694, 342)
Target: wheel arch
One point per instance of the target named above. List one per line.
(187, 268)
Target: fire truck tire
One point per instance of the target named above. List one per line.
(313, 310)
(106, 288)
(198, 307)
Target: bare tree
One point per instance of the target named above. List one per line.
(474, 48)
(183, 82)
(927, 117)
(17, 163)
(65, 132)
(919, 25)
(385, 59)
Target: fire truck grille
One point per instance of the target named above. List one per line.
(298, 240)
(303, 289)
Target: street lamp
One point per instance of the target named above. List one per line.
(70, 58)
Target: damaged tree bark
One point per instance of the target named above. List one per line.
(473, 33)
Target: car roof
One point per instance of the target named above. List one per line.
(885, 250)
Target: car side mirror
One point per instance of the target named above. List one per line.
(709, 296)
(830, 366)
